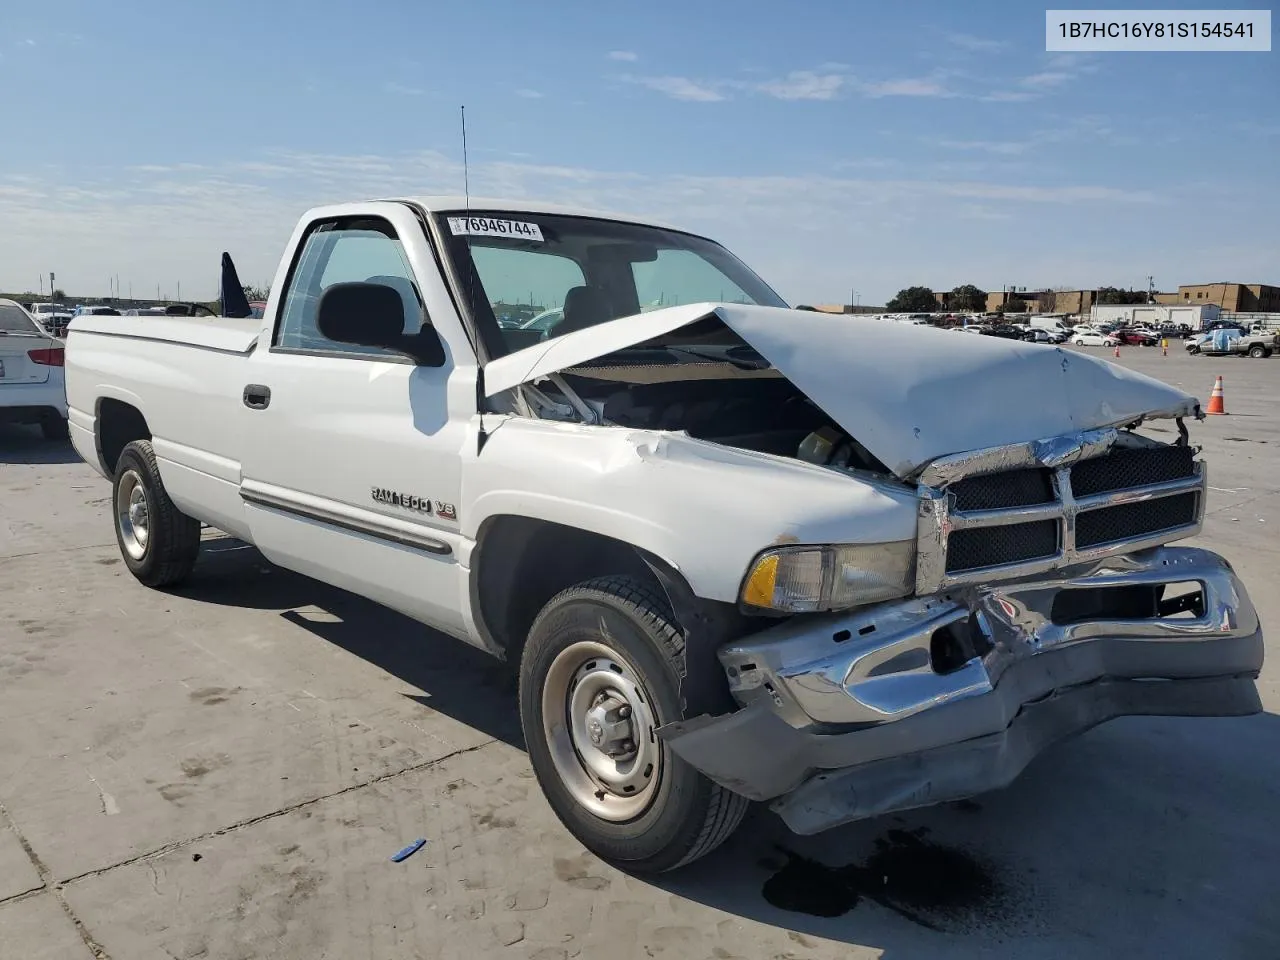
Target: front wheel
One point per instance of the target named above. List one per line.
(599, 675)
(159, 543)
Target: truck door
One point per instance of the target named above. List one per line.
(352, 463)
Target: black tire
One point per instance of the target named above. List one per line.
(1257, 351)
(54, 428)
(172, 542)
(1193, 351)
(688, 815)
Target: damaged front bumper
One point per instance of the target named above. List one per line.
(931, 699)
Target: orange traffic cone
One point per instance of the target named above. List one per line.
(1164, 347)
(1117, 349)
(1217, 402)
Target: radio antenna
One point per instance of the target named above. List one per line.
(466, 191)
(466, 178)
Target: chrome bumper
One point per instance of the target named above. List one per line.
(854, 715)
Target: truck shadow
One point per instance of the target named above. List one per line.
(458, 680)
(20, 443)
(1146, 837)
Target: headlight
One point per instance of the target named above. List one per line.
(807, 579)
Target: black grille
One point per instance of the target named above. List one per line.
(992, 546)
(1132, 468)
(997, 491)
(1129, 520)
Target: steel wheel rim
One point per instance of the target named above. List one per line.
(133, 515)
(583, 721)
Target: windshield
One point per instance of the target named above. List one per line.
(13, 319)
(532, 277)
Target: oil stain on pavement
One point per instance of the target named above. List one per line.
(931, 885)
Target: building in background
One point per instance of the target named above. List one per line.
(1232, 297)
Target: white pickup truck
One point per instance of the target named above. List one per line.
(739, 552)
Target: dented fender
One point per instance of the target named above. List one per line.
(703, 508)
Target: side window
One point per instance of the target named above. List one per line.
(340, 251)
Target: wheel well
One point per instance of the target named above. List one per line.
(520, 563)
(119, 424)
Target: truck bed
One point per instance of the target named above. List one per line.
(178, 372)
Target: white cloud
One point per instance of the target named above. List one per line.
(28, 42)
(403, 90)
(804, 85)
(966, 41)
(1009, 96)
(626, 56)
(1049, 78)
(528, 94)
(1008, 148)
(681, 88)
(168, 224)
(918, 87)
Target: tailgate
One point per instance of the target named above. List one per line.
(16, 365)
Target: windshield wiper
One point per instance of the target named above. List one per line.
(723, 355)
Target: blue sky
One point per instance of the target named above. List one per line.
(836, 146)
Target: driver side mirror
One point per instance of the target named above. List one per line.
(372, 315)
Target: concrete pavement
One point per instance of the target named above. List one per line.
(223, 771)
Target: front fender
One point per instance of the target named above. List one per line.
(704, 509)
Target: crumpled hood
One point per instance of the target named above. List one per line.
(908, 394)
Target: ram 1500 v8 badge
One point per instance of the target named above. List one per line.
(738, 552)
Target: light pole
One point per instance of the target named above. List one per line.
(855, 299)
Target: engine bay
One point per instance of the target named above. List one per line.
(766, 414)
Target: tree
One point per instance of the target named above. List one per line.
(1116, 295)
(57, 295)
(252, 293)
(1015, 304)
(913, 300)
(968, 299)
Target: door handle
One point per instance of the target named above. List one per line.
(256, 396)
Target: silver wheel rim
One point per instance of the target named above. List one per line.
(599, 724)
(133, 515)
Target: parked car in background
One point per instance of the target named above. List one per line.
(1094, 338)
(1137, 337)
(31, 373)
(1008, 331)
(1235, 342)
(1197, 343)
(99, 311)
(52, 317)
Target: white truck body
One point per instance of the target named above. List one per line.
(418, 485)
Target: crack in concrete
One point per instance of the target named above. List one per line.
(43, 553)
(24, 895)
(47, 883)
(261, 818)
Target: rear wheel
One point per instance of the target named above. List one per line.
(599, 674)
(1257, 351)
(158, 542)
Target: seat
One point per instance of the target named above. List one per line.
(583, 307)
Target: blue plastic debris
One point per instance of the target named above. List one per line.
(409, 851)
